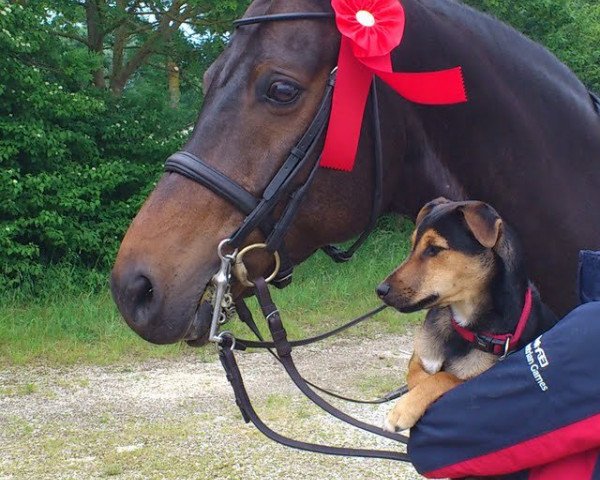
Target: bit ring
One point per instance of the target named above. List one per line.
(240, 271)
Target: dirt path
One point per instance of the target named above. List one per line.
(177, 419)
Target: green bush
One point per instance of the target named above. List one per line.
(76, 163)
(569, 28)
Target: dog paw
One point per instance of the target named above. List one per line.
(389, 427)
(402, 417)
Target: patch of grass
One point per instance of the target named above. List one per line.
(73, 384)
(174, 447)
(71, 329)
(378, 384)
(53, 447)
(28, 389)
(104, 419)
(112, 469)
(72, 322)
(280, 407)
(17, 426)
(20, 390)
(7, 391)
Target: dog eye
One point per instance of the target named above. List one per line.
(432, 250)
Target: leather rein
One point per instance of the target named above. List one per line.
(259, 214)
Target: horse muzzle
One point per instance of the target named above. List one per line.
(154, 316)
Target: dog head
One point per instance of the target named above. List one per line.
(454, 247)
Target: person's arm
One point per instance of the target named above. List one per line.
(539, 405)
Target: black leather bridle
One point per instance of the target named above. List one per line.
(259, 214)
(302, 157)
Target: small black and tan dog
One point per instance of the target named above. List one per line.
(467, 268)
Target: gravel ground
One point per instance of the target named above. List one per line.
(177, 419)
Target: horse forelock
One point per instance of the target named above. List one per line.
(238, 50)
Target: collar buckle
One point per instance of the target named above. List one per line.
(491, 344)
(506, 348)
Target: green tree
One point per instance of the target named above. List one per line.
(569, 28)
(126, 34)
(75, 160)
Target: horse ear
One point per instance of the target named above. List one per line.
(428, 207)
(484, 222)
(208, 77)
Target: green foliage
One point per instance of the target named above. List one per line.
(76, 162)
(569, 28)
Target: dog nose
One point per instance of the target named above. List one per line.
(383, 289)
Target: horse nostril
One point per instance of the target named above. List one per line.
(383, 289)
(142, 293)
(136, 297)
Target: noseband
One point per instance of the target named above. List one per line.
(303, 156)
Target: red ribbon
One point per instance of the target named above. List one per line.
(370, 30)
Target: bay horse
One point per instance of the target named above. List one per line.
(527, 142)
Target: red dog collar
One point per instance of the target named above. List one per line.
(494, 343)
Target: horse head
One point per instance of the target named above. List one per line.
(261, 95)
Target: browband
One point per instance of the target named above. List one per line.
(282, 17)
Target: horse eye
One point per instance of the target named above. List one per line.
(283, 92)
(432, 250)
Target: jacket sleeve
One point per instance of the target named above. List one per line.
(539, 405)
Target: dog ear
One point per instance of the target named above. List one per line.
(428, 207)
(484, 222)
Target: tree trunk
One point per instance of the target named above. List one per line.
(174, 91)
(169, 23)
(93, 15)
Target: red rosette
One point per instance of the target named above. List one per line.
(370, 30)
(375, 27)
